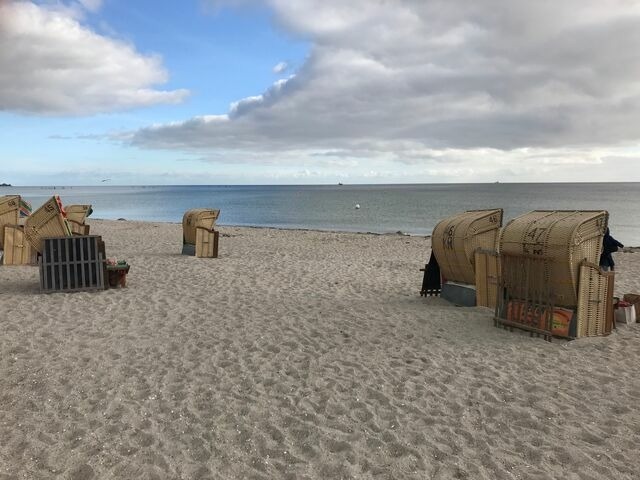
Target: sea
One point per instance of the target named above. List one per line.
(409, 209)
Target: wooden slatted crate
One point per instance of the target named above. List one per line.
(17, 251)
(72, 263)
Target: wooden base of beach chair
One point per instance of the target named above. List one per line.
(459, 294)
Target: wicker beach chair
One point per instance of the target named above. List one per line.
(456, 239)
(77, 216)
(550, 267)
(198, 235)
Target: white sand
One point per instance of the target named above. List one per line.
(299, 355)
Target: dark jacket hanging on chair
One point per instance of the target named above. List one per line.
(609, 245)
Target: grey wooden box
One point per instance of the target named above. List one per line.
(72, 263)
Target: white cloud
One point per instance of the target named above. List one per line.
(280, 67)
(394, 79)
(53, 65)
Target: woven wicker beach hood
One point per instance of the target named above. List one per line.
(455, 240)
(78, 213)
(565, 237)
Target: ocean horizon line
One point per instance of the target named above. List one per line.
(315, 184)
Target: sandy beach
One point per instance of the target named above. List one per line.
(299, 355)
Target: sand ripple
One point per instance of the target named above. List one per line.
(298, 355)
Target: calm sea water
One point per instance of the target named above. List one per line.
(411, 209)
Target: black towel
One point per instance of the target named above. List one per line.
(431, 281)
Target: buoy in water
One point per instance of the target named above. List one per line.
(357, 206)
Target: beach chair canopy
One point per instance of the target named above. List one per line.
(78, 213)
(564, 238)
(455, 240)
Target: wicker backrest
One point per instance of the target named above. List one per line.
(9, 213)
(46, 221)
(197, 218)
(455, 240)
(78, 213)
(566, 238)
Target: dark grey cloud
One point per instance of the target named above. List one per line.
(397, 78)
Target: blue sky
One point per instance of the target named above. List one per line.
(218, 55)
(269, 92)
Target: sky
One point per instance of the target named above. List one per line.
(319, 91)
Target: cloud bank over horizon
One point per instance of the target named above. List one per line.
(409, 81)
